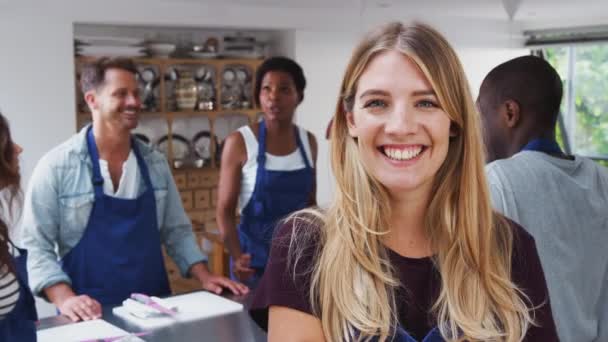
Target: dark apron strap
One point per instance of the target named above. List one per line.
(261, 159)
(301, 148)
(94, 154)
(543, 145)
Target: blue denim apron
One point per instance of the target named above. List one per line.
(276, 194)
(120, 250)
(20, 324)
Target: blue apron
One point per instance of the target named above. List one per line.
(120, 250)
(20, 324)
(543, 145)
(402, 336)
(276, 194)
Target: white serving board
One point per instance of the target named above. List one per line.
(190, 307)
(88, 330)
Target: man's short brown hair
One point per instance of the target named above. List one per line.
(93, 74)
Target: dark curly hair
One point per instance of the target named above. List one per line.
(283, 64)
(10, 179)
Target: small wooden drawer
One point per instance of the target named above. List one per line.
(180, 181)
(173, 273)
(197, 215)
(208, 215)
(211, 226)
(194, 180)
(201, 199)
(183, 285)
(214, 197)
(197, 227)
(209, 179)
(186, 199)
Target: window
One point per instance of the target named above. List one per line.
(584, 121)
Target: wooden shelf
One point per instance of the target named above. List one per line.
(171, 61)
(88, 114)
(209, 113)
(216, 113)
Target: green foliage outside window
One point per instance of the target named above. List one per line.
(587, 127)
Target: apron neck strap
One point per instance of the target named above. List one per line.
(262, 145)
(94, 154)
(543, 145)
(301, 147)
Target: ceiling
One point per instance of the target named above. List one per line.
(527, 12)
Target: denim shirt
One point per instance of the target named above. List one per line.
(59, 200)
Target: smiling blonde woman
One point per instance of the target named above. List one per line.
(410, 249)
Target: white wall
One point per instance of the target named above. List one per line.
(36, 63)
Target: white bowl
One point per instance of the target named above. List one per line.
(161, 50)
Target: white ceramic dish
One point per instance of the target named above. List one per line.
(109, 40)
(108, 50)
(161, 50)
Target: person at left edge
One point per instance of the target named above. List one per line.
(99, 206)
(17, 308)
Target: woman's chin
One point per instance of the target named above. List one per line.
(278, 117)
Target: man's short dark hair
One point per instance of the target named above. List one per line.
(93, 74)
(283, 64)
(530, 81)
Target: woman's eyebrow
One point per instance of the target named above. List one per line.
(373, 92)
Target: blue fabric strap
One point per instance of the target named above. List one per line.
(543, 145)
(94, 154)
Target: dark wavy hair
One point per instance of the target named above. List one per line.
(283, 64)
(9, 179)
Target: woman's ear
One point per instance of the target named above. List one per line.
(454, 130)
(352, 127)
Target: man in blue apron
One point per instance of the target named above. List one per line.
(560, 199)
(107, 202)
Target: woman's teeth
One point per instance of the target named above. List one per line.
(402, 153)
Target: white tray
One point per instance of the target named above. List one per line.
(190, 307)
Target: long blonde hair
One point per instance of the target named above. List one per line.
(352, 280)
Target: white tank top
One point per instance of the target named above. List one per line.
(290, 162)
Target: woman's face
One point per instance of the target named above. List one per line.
(278, 96)
(403, 133)
(15, 160)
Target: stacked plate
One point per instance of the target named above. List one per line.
(239, 46)
(98, 46)
(161, 49)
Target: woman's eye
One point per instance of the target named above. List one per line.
(427, 104)
(374, 104)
